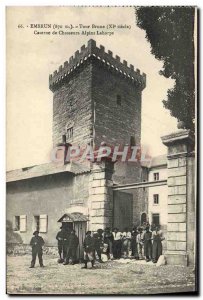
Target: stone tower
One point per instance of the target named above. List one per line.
(96, 98)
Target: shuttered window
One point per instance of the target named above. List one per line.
(20, 223)
(16, 223)
(43, 223)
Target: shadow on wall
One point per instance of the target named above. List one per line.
(12, 238)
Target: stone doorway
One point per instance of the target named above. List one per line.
(123, 210)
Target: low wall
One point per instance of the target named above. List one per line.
(23, 249)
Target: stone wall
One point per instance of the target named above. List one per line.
(192, 216)
(23, 249)
(100, 201)
(115, 123)
(72, 107)
(181, 198)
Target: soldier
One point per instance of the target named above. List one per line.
(72, 248)
(117, 243)
(147, 244)
(108, 239)
(99, 243)
(157, 237)
(89, 249)
(140, 242)
(59, 238)
(66, 242)
(36, 242)
(126, 242)
(134, 243)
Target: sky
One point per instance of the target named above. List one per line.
(31, 58)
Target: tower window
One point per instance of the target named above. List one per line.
(156, 198)
(156, 176)
(132, 141)
(69, 133)
(118, 100)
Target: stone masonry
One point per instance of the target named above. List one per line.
(98, 96)
(101, 196)
(179, 148)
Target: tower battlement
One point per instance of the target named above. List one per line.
(92, 52)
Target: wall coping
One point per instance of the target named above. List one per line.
(177, 137)
(99, 54)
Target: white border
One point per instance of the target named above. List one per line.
(3, 4)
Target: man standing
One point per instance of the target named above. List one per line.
(59, 238)
(157, 237)
(134, 243)
(117, 243)
(126, 242)
(89, 249)
(108, 239)
(66, 243)
(72, 248)
(99, 243)
(140, 242)
(36, 242)
(147, 244)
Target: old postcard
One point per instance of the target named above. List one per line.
(101, 150)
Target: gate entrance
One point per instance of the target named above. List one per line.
(123, 210)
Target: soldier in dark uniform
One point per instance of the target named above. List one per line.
(89, 249)
(59, 237)
(99, 243)
(134, 245)
(36, 242)
(147, 237)
(66, 241)
(157, 237)
(72, 247)
(108, 239)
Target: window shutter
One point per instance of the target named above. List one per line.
(43, 223)
(14, 223)
(23, 223)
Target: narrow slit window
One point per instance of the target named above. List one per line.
(156, 198)
(69, 132)
(156, 176)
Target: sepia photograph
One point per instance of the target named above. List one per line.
(101, 150)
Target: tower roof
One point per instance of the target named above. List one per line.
(92, 52)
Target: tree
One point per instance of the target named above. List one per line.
(170, 31)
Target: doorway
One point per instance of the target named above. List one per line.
(78, 222)
(123, 210)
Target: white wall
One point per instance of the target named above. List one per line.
(162, 191)
(162, 173)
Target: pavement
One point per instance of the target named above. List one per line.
(124, 276)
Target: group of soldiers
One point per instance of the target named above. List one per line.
(67, 245)
(138, 243)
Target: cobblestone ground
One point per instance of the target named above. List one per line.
(113, 277)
